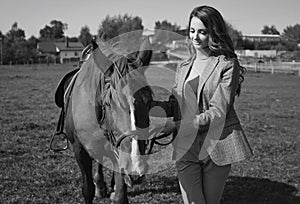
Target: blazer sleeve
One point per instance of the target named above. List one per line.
(223, 97)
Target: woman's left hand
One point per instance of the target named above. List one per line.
(170, 127)
(167, 129)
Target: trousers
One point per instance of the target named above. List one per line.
(201, 182)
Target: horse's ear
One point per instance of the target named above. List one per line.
(86, 52)
(145, 52)
(102, 62)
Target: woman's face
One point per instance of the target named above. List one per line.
(198, 34)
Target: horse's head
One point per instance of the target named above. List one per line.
(126, 97)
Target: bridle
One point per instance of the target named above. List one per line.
(116, 141)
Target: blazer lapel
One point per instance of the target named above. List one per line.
(209, 68)
(183, 75)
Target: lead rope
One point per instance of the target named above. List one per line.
(155, 139)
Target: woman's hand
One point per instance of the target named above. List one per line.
(201, 122)
(170, 127)
(167, 129)
(196, 121)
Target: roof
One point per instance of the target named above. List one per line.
(53, 47)
(46, 47)
(72, 46)
(262, 35)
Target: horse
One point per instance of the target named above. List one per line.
(106, 114)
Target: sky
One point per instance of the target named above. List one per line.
(247, 16)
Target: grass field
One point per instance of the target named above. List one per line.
(269, 109)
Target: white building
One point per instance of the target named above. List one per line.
(69, 51)
(256, 53)
(261, 37)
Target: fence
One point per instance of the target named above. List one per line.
(274, 67)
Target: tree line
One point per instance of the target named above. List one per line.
(16, 48)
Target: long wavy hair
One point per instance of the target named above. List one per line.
(219, 41)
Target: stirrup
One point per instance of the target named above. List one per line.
(58, 140)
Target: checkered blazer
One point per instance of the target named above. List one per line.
(215, 98)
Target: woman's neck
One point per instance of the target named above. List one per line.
(203, 54)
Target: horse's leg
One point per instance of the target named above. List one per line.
(85, 163)
(101, 189)
(119, 196)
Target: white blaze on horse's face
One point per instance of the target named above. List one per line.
(135, 152)
(130, 159)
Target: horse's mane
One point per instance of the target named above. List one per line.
(123, 71)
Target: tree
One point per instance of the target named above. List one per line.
(46, 33)
(123, 32)
(165, 25)
(291, 37)
(58, 28)
(166, 32)
(235, 35)
(15, 33)
(31, 46)
(13, 43)
(270, 30)
(54, 31)
(292, 33)
(16, 49)
(85, 36)
(114, 26)
(1, 48)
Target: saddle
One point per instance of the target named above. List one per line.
(60, 89)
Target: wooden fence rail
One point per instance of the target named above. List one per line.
(274, 67)
(267, 66)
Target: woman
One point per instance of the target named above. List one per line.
(209, 135)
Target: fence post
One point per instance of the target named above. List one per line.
(272, 67)
(255, 67)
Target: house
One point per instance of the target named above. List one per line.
(46, 48)
(261, 38)
(68, 51)
(62, 51)
(256, 53)
(46, 52)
